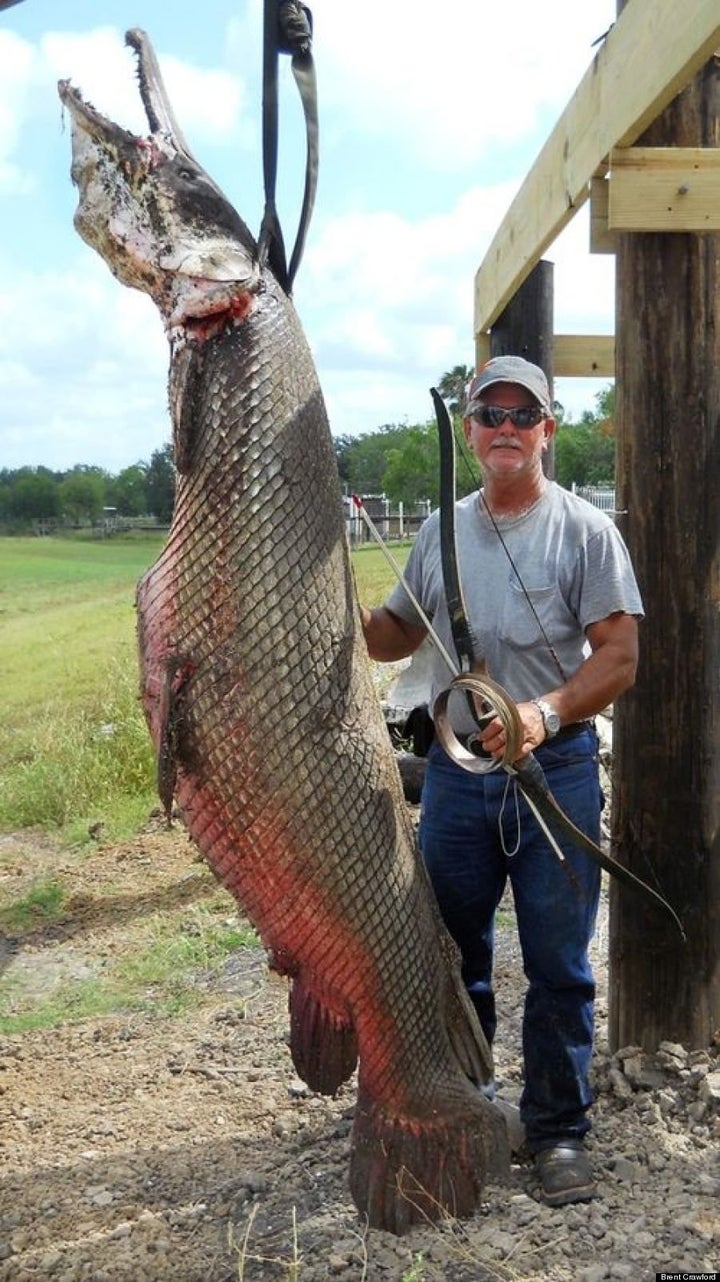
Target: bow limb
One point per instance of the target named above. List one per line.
(465, 642)
(532, 783)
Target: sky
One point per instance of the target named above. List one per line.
(430, 117)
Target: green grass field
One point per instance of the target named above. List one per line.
(75, 750)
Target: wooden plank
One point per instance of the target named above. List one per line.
(584, 356)
(649, 55)
(602, 240)
(664, 189)
(573, 355)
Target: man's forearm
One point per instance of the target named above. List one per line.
(387, 636)
(604, 675)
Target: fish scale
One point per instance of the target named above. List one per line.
(259, 695)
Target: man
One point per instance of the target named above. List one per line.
(553, 604)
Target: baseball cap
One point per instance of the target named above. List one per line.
(509, 369)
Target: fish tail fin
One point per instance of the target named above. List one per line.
(406, 1171)
(323, 1044)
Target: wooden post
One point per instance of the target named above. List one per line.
(666, 814)
(525, 328)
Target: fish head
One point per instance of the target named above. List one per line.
(153, 213)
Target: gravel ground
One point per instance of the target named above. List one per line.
(140, 1149)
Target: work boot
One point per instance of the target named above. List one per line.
(565, 1173)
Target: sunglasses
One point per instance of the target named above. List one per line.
(520, 415)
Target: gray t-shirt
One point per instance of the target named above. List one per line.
(573, 564)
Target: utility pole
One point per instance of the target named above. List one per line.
(666, 813)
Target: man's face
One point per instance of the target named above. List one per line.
(507, 450)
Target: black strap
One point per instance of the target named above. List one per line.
(287, 27)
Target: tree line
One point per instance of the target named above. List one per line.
(402, 462)
(81, 495)
(399, 461)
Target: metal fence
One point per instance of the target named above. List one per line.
(599, 495)
(393, 521)
(397, 521)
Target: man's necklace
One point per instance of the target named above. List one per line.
(506, 517)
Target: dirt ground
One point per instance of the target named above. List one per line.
(135, 1148)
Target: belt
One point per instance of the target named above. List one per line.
(566, 732)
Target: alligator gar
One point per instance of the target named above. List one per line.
(258, 690)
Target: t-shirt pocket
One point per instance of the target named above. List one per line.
(525, 613)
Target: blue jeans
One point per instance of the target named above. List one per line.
(473, 836)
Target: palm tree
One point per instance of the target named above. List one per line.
(452, 387)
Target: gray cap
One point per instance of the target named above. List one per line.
(509, 369)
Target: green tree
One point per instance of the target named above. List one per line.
(161, 484)
(33, 494)
(452, 387)
(128, 491)
(366, 459)
(342, 446)
(82, 493)
(30, 493)
(411, 471)
(605, 404)
(585, 451)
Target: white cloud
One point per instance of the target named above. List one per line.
(584, 282)
(101, 67)
(453, 82)
(17, 66)
(83, 366)
(207, 101)
(388, 305)
(401, 266)
(385, 295)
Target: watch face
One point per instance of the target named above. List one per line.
(551, 720)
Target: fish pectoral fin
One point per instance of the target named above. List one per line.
(323, 1044)
(176, 672)
(415, 1169)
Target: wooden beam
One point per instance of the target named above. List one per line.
(664, 189)
(602, 240)
(668, 361)
(482, 349)
(525, 328)
(649, 55)
(573, 355)
(584, 356)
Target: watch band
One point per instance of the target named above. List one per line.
(550, 718)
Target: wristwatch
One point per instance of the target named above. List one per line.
(551, 720)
